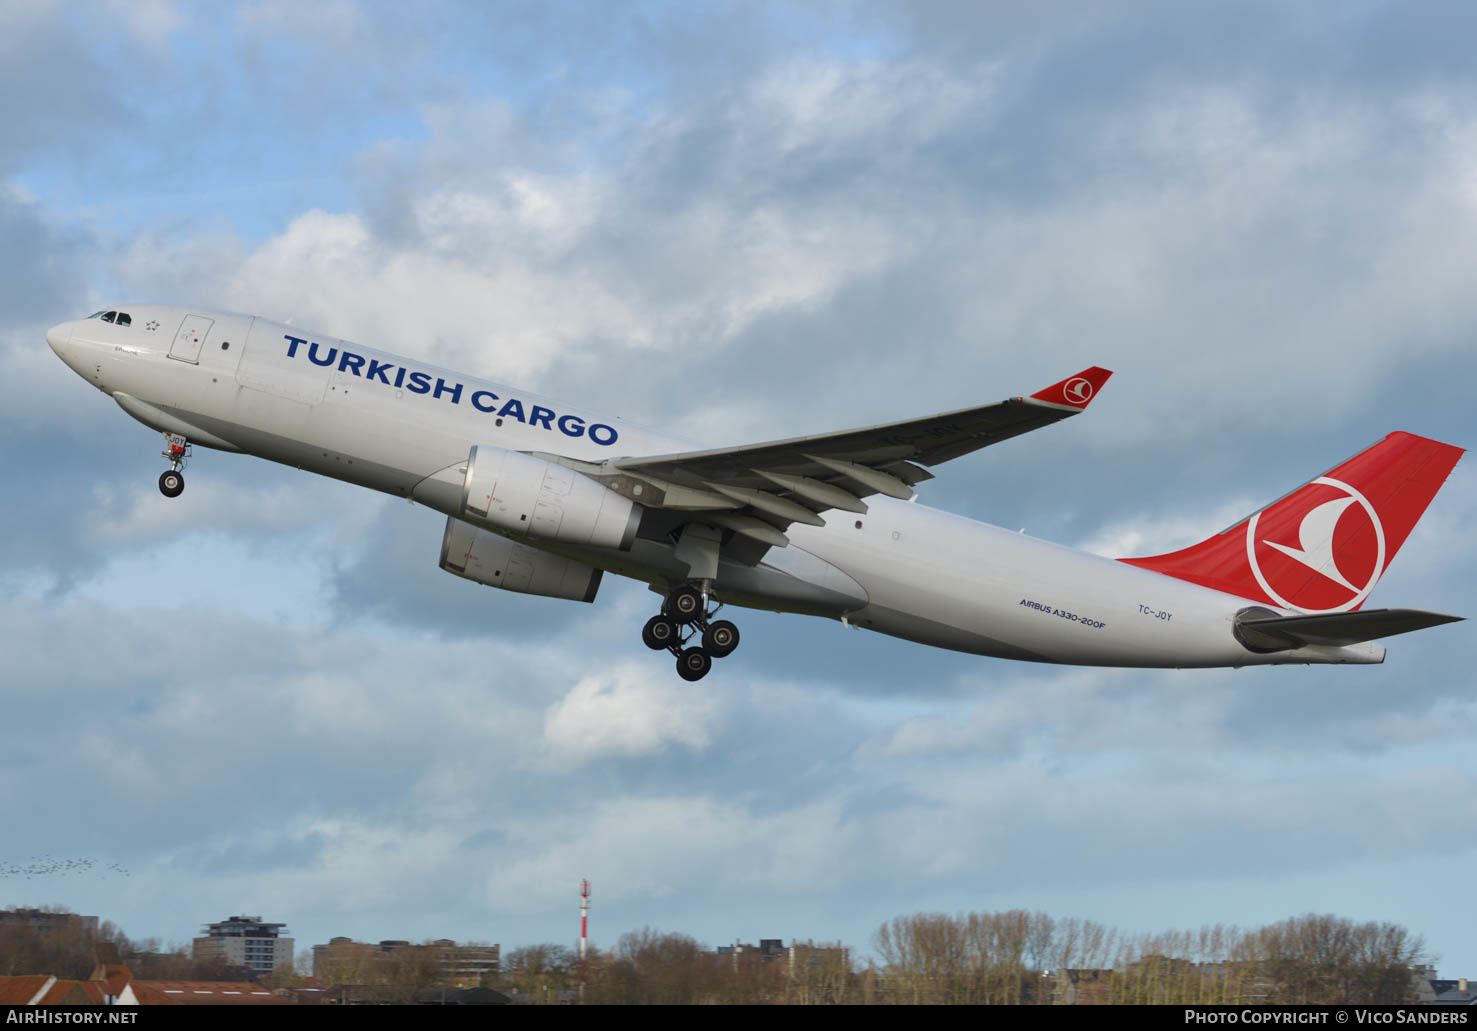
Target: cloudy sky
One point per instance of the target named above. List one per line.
(736, 221)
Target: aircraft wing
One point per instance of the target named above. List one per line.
(759, 489)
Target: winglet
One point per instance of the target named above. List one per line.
(1075, 391)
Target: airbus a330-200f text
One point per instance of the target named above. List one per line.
(544, 498)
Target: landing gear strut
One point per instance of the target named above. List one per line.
(172, 480)
(686, 614)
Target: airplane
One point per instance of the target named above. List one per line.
(544, 498)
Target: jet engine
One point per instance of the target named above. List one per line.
(528, 496)
(484, 557)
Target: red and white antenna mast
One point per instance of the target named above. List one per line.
(584, 918)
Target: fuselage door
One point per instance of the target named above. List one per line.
(191, 336)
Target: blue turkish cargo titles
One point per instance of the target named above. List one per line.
(486, 401)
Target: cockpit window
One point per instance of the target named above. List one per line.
(119, 318)
(124, 319)
(96, 315)
(110, 316)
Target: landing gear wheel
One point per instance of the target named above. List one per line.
(685, 604)
(171, 483)
(693, 664)
(720, 639)
(658, 633)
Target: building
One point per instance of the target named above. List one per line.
(1432, 990)
(108, 986)
(42, 990)
(245, 941)
(808, 956)
(800, 955)
(466, 962)
(344, 961)
(768, 948)
(41, 920)
(1073, 987)
(207, 993)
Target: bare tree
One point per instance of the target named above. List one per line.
(66, 945)
(1330, 960)
(649, 967)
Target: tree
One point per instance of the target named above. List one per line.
(538, 970)
(58, 942)
(1324, 959)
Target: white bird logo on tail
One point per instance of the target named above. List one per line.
(1315, 534)
(1315, 550)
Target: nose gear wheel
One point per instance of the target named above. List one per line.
(171, 483)
(172, 480)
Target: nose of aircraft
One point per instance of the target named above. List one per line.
(59, 336)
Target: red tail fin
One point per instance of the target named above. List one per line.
(1323, 547)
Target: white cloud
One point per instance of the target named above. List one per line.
(135, 514)
(1158, 534)
(656, 847)
(627, 711)
(152, 22)
(357, 863)
(338, 23)
(32, 382)
(828, 106)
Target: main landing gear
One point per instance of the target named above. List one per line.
(172, 480)
(686, 615)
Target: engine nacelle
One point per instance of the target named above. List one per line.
(528, 496)
(484, 557)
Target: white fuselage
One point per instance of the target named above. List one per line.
(405, 428)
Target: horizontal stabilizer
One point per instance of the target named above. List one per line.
(1264, 631)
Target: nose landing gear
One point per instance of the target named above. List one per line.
(685, 615)
(172, 480)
